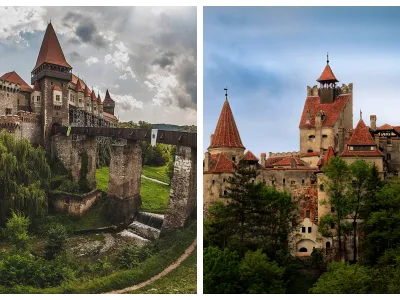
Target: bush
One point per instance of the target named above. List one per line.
(130, 256)
(16, 231)
(55, 240)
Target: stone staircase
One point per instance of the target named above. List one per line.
(145, 228)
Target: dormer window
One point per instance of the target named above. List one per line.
(233, 158)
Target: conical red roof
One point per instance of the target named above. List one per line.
(98, 99)
(226, 133)
(250, 156)
(51, 51)
(361, 135)
(327, 156)
(15, 78)
(78, 87)
(87, 91)
(327, 75)
(107, 98)
(93, 96)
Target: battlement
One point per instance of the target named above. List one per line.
(28, 117)
(280, 154)
(10, 121)
(315, 90)
(10, 87)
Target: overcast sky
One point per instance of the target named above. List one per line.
(146, 57)
(267, 56)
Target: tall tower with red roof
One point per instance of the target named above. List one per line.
(327, 118)
(53, 74)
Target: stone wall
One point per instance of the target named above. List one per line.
(8, 100)
(74, 205)
(125, 180)
(182, 200)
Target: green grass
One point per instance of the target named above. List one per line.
(155, 195)
(171, 246)
(156, 173)
(182, 280)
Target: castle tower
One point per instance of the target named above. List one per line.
(327, 91)
(53, 74)
(79, 95)
(36, 98)
(99, 104)
(108, 104)
(226, 137)
(87, 100)
(93, 98)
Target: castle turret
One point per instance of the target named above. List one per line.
(80, 94)
(226, 138)
(88, 104)
(99, 104)
(36, 98)
(327, 91)
(94, 102)
(108, 104)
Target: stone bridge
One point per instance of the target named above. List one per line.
(126, 167)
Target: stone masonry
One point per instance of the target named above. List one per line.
(182, 201)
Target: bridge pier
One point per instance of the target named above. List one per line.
(182, 200)
(71, 153)
(125, 180)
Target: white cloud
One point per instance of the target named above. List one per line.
(120, 59)
(127, 102)
(92, 60)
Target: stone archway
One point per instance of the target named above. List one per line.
(305, 247)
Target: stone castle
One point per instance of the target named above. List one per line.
(57, 97)
(326, 130)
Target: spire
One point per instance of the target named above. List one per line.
(87, 91)
(108, 98)
(226, 133)
(93, 95)
(98, 99)
(78, 87)
(50, 51)
(327, 75)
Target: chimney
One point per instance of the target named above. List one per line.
(314, 91)
(308, 116)
(263, 156)
(206, 160)
(211, 138)
(292, 162)
(372, 120)
(318, 119)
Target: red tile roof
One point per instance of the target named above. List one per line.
(373, 153)
(36, 86)
(332, 111)
(310, 154)
(78, 86)
(361, 135)
(93, 96)
(226, 133)
(50, 51)
(287, 162)
(13, 77)
(327, 156)
(99, 99)
(219, 163)
(385, 127)
(107, 98)
(57, 87)
(75, 81)
(327, 75)
(250, 156)
(270, 161)
(87, 91)
(110, 116)
(397, 128)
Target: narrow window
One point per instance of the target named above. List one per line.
(38, 98)
(303, 229)
(252, 181)
(307, 214)
(223, 180)
(309, 229)
(284, 181)
(225, 192)
(302, 181)
(332, 209)
(58, 97)
(233, 158)
(8, 111)
(52, 83)
(388, 156)
(213, 181)
(321, 187)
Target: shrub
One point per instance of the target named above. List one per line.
(16, 231)
(55, 240)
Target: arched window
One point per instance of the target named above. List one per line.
(225, 192)
(328, 247)
(303, 249)
(309, 150)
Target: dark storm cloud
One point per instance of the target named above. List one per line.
(75, 56)
(86, 31)
(167, 59)
(187, 76)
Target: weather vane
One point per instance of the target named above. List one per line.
(327, 58)
(360, 114)
(226, 92)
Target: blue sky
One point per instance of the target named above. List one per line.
(268, 55)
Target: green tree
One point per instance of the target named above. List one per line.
(55, 240)
(259, 276)
(343, 278)
(16, 231)
(221, 270)
(337, 185)
(24, 178)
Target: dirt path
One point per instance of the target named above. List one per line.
(176, 264)
(155, 180)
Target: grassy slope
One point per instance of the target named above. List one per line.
(172, 246)
(156, 173)
(182, 280)
(155, 195)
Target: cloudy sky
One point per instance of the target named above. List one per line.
(267, 56)
(145, 56)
